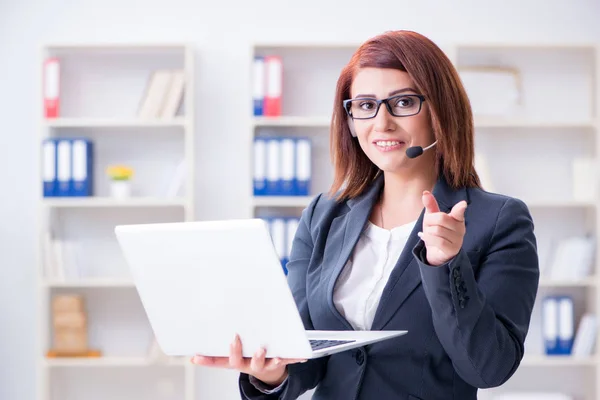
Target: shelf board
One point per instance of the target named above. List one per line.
(307, 45)
(540, 360)
(590, 281)
(111, 362)
(291, 121)
(116, 46)
(480, 122)
(498, 122)
(282, 201)
(92, 202)
(114, 122)
(89, 283)
(533, 46)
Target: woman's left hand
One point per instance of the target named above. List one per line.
(442, 233)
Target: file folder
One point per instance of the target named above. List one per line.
(303, 167)
(566, 329)
(63, 167)
(290, 233)
(258, 95)
(273, 167)
(287, 166)
(260, 167)
(51, 87)
(558, 324)
(274, 81)
(282, 166)
(50, 182)
(82, 162)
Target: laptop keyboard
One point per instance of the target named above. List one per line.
(322, 344)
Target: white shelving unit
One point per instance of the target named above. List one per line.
(114, 122)
(529, 156)
(89, 283)
(103, 202)
(101, 89)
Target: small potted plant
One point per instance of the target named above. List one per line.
(120, 180)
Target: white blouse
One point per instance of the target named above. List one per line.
(359, 287)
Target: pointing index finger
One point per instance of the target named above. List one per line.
(430, 203)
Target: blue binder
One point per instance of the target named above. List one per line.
(558, 325)
(49, 178)
(566, 326)
(291, 226)
(63, 167)
(259, 85)
(303, 167)
(287, 166)
(273, 167)
(81, 167)
(260, 166)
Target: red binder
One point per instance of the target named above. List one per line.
(51, 87)
(274, 72)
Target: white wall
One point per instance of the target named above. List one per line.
(222, 33)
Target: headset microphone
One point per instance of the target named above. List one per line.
(411, 152)
(416, 151)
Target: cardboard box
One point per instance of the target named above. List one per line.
(69, 320)
(67, 303)
(70, 340)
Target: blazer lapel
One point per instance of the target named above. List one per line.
(406, 276)
(343, 235)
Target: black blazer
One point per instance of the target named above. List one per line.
(466, 320)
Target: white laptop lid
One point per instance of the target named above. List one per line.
(202, 282)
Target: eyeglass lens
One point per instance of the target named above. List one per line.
(400, 106)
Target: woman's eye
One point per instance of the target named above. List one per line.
(404, 102)
(367, 105)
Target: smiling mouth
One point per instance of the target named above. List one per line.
(385, 144)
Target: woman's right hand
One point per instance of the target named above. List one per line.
(271, 371)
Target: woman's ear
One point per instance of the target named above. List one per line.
(351, 126)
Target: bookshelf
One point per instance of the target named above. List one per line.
(529, 154)
(114, 123)
(102, 89)
(104, 202)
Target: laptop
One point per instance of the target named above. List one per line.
(200, 283)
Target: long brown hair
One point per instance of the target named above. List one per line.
(450, 113)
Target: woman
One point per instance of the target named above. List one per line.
(406, 243)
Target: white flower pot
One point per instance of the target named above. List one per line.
(120, 189)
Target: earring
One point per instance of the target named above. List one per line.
(351, 126)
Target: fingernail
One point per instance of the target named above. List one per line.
(277, 361)
(303, 361)
(425, 192)
(196, 359)
(419, 234)
(236, 338)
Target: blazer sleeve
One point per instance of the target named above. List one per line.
(482, 323)
(302, 376)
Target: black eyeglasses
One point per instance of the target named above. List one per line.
(403, 105)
